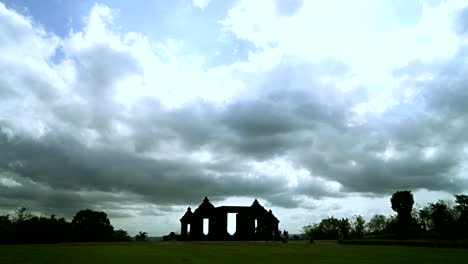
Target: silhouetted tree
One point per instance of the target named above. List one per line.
(89, 225)
(21, 214)
(60, 229)
(444, 219)
(462, 203)
(345, 228)
(358, 226)
(284, 237)
(462, 209)
(25, 227)
(439, 220)
(377, 224)
(392, 224)
(329, 228)
(120, 235)
(309, 231)
(425, 218)
(171, 237)
(295, 237)
(141, 236)
(5, 229)
(402, 203)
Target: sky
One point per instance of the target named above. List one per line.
(315, 108)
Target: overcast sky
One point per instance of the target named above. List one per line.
(316, 108)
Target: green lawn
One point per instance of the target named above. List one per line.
(226, 252)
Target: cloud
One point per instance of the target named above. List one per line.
(111, 120)
(202, 4)
(461, 26)
(288, 7)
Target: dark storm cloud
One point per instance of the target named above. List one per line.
(309, 128)
(61, 163)
(100, 67)
(280, 112)
(286, 110)
(259, 128)
(196, 124)
(359, 163)
(79, 159)
(425, 140)
(285, 200)
(281, 116)
(448, 94)
(42, 197)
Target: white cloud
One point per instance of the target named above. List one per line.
(202, 4)
(9, 182)
(357, 34)
(316, 116)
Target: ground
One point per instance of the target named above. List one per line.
(226, 252)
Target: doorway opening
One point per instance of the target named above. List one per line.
(231, 223)
(206, 223)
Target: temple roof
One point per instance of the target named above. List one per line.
(205, 207)
(257, 208)
(188, 215)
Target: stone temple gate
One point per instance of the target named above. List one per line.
(252, 223)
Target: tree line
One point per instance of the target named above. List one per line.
(86, 226)
(438, 220)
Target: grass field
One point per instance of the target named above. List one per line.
(226, 252)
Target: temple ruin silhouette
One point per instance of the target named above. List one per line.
(252, 223)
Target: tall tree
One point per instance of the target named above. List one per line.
(358, 226)
(462, 202)
(141, 236)
(443, 219)
(439, 220)
(24, 227)
(345, 228)
(21, 214)
(402, 203)
(462, 208)
(425, 219)
(6, 230)
(309, 231)
(89, 225)
(329, 228)
(377, 224)
(120, 235)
